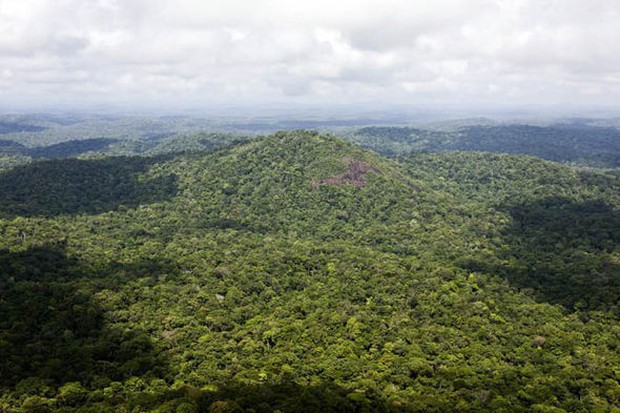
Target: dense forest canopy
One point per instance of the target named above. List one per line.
(575, 142)
(299, 272)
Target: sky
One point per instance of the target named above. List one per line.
(483, 53)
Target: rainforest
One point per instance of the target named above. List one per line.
(298, 271)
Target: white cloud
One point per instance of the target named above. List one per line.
(444, 51)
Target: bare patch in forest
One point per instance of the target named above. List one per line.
(355, 174)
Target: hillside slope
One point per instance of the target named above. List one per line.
(298, 272)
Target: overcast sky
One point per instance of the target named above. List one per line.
(320, 52)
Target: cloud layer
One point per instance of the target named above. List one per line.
(390, 51)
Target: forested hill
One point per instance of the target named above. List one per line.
(575, 142)
(299, 272)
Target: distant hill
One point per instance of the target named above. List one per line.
(13, 127)
(69, 149)
(584, 142)
(569, 142)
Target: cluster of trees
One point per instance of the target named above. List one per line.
(8, 162)
(243, 285)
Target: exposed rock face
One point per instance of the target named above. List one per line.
(355, 174)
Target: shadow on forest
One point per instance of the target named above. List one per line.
(70, 148)
(236, 397)
(74, 186)
(53, 332)
(564, 251)
(52, 329)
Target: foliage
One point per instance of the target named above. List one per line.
(11, 161)
(262, 280)
(73, 186)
